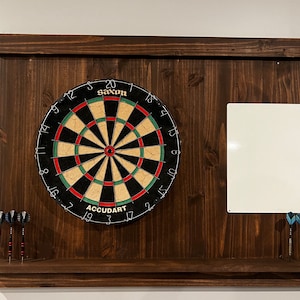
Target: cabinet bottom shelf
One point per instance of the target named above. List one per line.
(99, 273)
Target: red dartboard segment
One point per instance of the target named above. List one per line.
(75, 193)
(127, 178)
(89, 177)
(77, 159)
(141, 109)
(107, 204)
(111, 98)
(57, 166)
(130, 126)
(78, 139)
(138, 195)
(91, 124)
(111, 119)
(140, 141)
(158, 170)
(78, 107)
(140, 162)
(58, 132)
(160, 137)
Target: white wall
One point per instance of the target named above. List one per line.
(210, 18)
(150, 294)
(234, 18)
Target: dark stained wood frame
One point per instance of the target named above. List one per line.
(187, 272)
(149, 46)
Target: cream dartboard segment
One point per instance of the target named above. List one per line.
(108, 151)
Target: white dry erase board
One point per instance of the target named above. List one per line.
(263, 158)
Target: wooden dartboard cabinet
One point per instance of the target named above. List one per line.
(189, 238)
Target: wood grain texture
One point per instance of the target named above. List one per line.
(149, 46)
(188, 239)
(78, 273)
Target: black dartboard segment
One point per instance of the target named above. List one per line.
(108, 151)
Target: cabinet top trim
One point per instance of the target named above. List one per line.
(28, 44)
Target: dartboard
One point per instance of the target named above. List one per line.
(108, 151)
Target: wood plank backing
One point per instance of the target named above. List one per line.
(192, 221)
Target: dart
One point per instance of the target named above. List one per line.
(291, 219)
(2, 218)
(297, 216)
(11, 218)
(23, 218)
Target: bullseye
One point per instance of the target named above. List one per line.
(109, 151)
